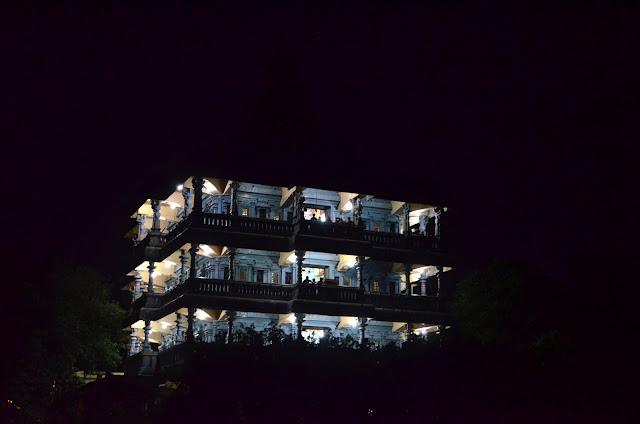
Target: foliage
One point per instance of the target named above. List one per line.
(71, 325)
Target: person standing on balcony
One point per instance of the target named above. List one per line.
(306, 280)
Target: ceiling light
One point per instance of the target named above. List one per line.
(348, 206)
(180, 187)
(292, 318)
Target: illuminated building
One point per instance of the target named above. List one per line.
(218, 255)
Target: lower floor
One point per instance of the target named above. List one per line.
(225, 326)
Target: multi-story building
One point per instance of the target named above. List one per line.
(217, 255)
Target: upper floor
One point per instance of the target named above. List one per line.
(248, 215)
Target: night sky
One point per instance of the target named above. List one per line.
(519, 119)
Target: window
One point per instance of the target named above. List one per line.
(245, 212)
(276, 216)
(243, 274)
(376, 286)
(260, 276)
(392, 227)
(347, 282)
(376, 226)
(275, 278)
(288, 278)
(262, 213)
(226, 273)
(226, 208)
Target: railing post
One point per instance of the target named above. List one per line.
(152, 269)
(194, 268)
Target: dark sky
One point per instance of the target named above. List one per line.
(519, 118)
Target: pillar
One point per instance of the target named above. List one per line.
(183, 265)
(409, 330)
(231, 317)
(152, 269)
(139, 285)
(133, 342)
(438, 229)
(439, 274)
(357, 211)
(155, 206)
(298, 205)
(363, 325)
(407, 276)
(299, 259)
(232, 255)
(234, 198)
(299, 320)
(141, 219)
(197, 194)
(406, 208)
(423, 286)
(359, 268)
(191, 312)
(146, 347)
(179, 328)
(193, 270)
(186, 194)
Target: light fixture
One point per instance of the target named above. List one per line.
(201, 315)
(351, 263)
(292, 258)
(354, 322)
(168, 263)
(206, 249)
(180, 187)
(165, 325)
(323, 218)
(348, 206)
(292, 318)
(210, 187)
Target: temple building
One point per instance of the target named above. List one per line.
(215, 256)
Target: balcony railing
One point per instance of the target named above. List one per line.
(328, 293)
(402, 302)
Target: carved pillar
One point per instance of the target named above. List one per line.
(133, 342)
(299, 259)
(232, 255)
(197, 194)
(299, 320)
(186, 194)
(357, 211)
(438, 229)
(146, 347)
(194, 267)
(406, 208)
(363, 325)
(183, 265)
(298, 205)
(439, 274)
(152, 269)
(179, 328)
(407, 276)
(231, 317)
(155, 206)
(359, 269)
(191, 312)
(234, 198)
(139, 285)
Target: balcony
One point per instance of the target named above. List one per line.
(265, 234)
(284, 299)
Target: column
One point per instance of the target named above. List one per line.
(152, 269)
(133, 342)
(232, 255)
(190, 314)
(359, 267)
(146, 347)
(357, 211)
(406, 208)
(423, 285)
(234, 198)
(299, 259)
(299, 320)
(193, 270)
(179, 328)
(183, 265)
(407, 276)
(409, 331)
(155, 226)
(139, 285)
(298, 204)
(231, 317)
(363, 325)
(141, 219)
(197, 194)
(439, 274)
(186, 194)
(438, 222)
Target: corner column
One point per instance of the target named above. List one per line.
(197, 194)
(152, 269)
(406, 208)
(191, 312)
(234, 198)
